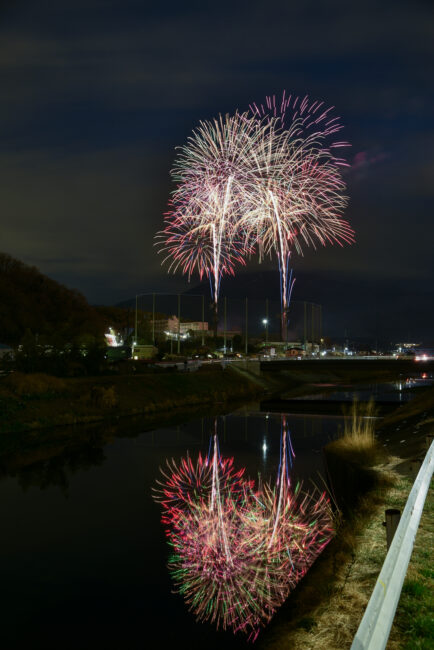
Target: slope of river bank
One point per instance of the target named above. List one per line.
(76, 500)
(40, 401)
(40, 414)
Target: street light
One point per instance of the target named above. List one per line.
(265, 323)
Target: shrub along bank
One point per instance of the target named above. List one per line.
(37, 401)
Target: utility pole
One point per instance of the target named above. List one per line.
(135, 325)
(313, 323)
(153, 319)
(203, 320)
(266, 317)
(224, 325)
(179, 323)
(320, 322)
(247, 337)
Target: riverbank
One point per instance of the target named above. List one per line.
(31, 402)
(327, 607)
(41, 415)
(46, 456)
(404, 431)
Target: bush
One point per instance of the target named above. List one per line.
(103, 397)
(34, 385)
(67, 361)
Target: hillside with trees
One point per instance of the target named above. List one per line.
(30, 301)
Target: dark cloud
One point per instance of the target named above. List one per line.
(97, 94)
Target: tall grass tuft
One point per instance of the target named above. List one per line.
(359, 433)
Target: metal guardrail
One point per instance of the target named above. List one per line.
(374, 628)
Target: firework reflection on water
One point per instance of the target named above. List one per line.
(239, 549)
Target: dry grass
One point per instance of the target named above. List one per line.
(29, 402)
(339, 586)
(359, 439)
(34, 385)
(327, 609)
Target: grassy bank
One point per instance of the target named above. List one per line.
(29, 402)
(325, 610)
(414, 623)
(38, 401)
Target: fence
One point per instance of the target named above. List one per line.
(374, 628)
(250, 318)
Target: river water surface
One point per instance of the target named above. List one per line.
(83, 553)
(82, 550)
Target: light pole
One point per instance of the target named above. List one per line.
(135, 324)
(179, 324)
(224, 325)
(203, 320)
(153, 319)
(247, 335)
(139, 295)
(265, 323)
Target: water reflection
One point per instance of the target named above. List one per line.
(88, 548)
(54, 471)
(238, 548)
(401, 390)
(57, 471)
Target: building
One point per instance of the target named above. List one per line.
(144, 352)
(172, 326)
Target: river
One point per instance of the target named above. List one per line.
(83, 553)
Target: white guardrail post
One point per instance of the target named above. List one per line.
(374, 628)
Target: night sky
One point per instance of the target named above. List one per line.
(96, 95)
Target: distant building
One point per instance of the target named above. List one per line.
(171, 326)
(406, 348)
(144, 352)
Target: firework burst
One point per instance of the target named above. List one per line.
(300, 199)
(201, 229)
(237, 550)
(269, 181)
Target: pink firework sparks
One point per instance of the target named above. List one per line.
(270, 181)
(302, 200)
(201, 232)
(239, 551)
